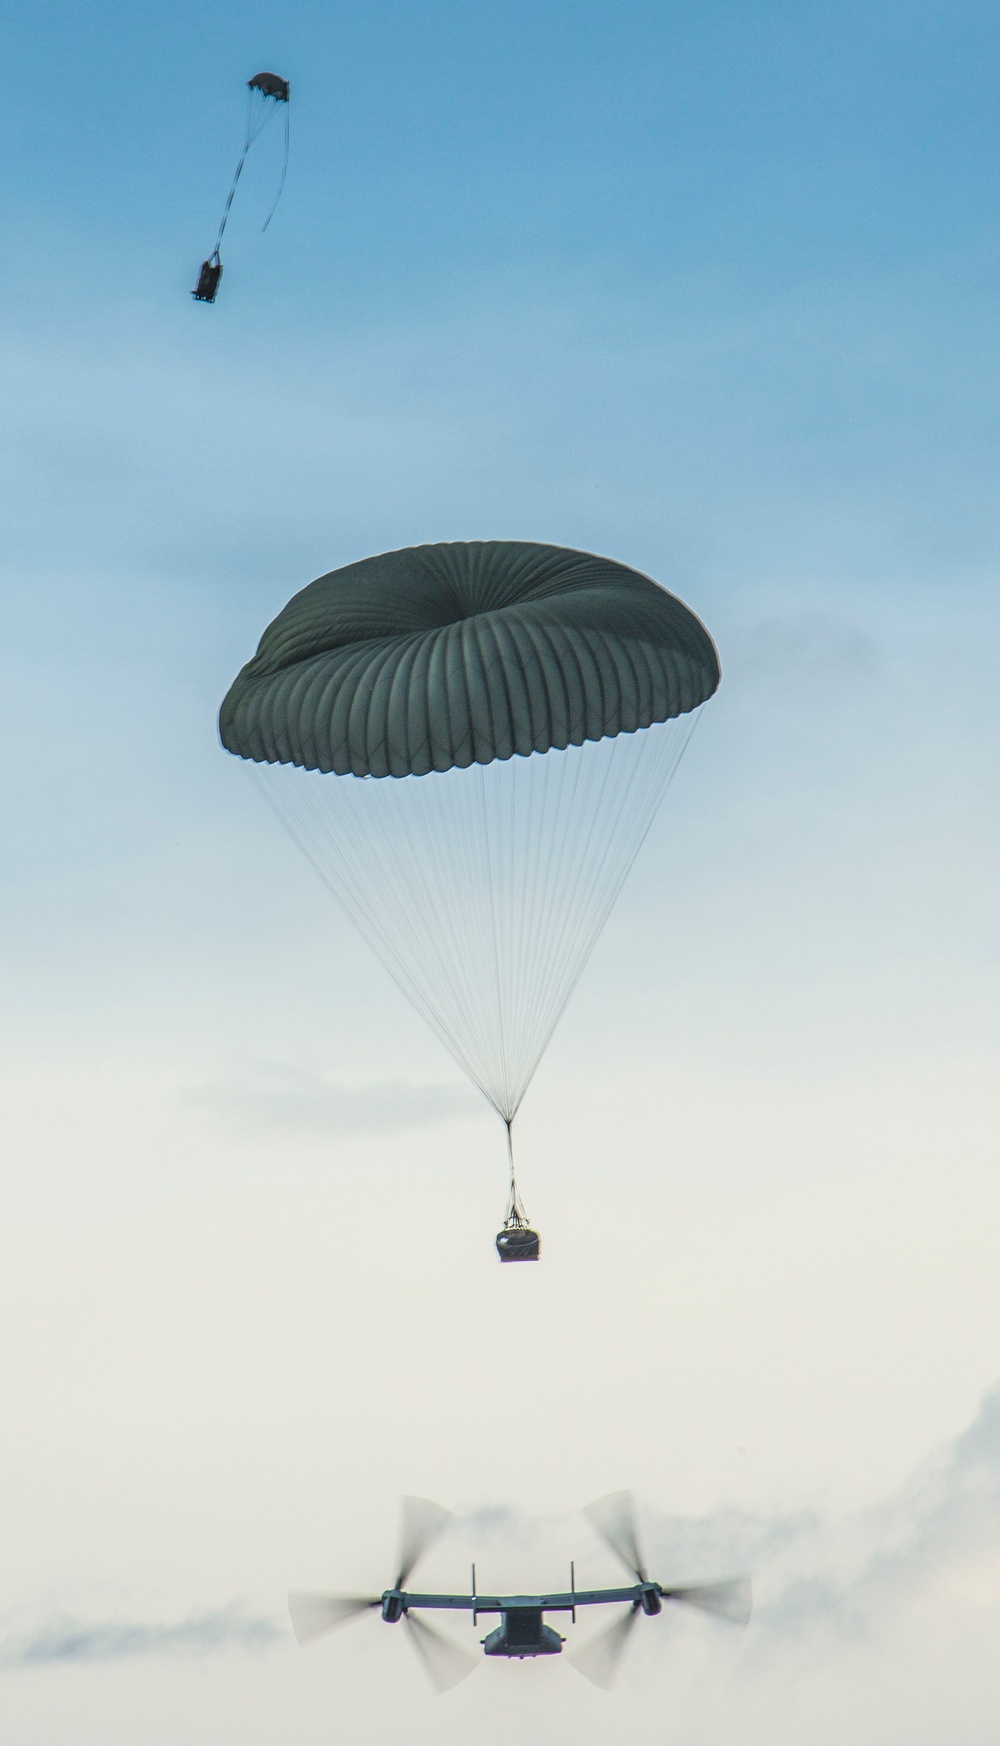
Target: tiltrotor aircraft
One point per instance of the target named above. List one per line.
(522, 1630)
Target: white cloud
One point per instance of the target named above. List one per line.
(854, 1573)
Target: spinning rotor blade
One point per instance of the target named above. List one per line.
(598, 1660)
(444, 1662)
(614, 1519)
(423, 1521)
(727, 1600)
(312, 1614)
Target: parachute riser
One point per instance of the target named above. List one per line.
(516, 1241)
(515, 1217)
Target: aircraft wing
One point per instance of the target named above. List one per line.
(505, 1603)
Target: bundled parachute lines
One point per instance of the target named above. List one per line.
(264, 92)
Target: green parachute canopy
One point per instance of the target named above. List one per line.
(438, 657)
(530, 705)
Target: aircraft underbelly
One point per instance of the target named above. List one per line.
(522, 1632)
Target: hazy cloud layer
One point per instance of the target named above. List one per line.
(851, 1574)
(65, 1639)
(938, 1535)
(804, 650)
(294, 1101)
(815, 1578)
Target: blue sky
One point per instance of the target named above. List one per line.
(751, 258)
(711, 289)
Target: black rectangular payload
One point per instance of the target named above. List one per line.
(517, 1243)
(208, 281)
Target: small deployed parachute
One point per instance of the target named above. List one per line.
(470, 743)
(264, 92)
(270, 85)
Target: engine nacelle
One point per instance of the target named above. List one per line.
(651, 1602)
(392, 1606)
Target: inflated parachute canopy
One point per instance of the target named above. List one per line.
(442, 656)
(270, 85)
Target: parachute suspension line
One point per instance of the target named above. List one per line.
(389, 877)
(621, 814)
(257, 119)
(484, 890)
(557, 876)
(284, 172)
(247, 143)
(496, 918)
(515, 1217)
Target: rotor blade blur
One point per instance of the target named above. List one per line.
(423, 1521)
(598, 1660)
(444, 1662)
(312, 1614)
(614, 1518)
(731, 1600)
